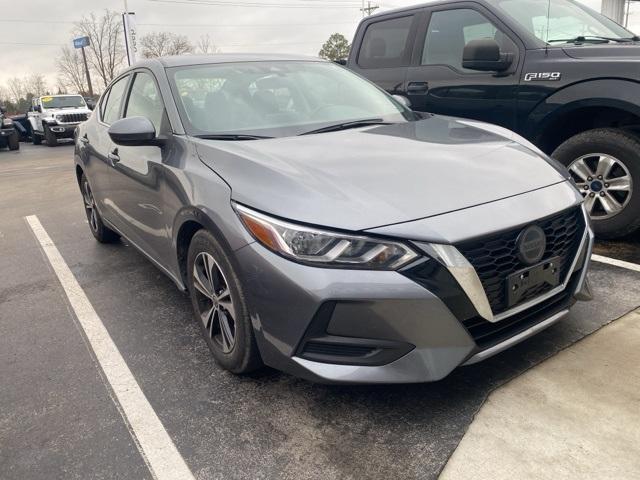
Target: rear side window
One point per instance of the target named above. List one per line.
(385, 43)
(111, 111)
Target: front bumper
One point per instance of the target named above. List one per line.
(7, 132)
(350, 326)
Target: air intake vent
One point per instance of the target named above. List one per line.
(332, 349)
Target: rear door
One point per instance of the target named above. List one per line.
(98, 145)
(436, 81)
(137, 176)
(385, 50)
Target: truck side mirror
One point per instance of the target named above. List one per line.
(37, 108)
(484, 55)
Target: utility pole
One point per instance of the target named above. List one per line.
(368, 9)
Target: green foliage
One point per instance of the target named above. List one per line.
(336, 48)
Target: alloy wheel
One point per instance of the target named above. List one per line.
(604, 181)
(214, 300)
(90, 206)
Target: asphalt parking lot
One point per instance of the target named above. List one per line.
(57, 414)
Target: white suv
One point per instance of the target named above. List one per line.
(56, 116)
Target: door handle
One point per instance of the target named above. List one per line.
(113, 156)
(84, 138)
(417, 88)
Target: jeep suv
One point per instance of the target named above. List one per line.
(9, 137)
(561, 75)
(53, 117)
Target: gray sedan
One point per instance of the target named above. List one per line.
(323, 228)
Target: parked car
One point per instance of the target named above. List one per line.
(558, 73)
(9, 137)
(323, 228)
(53, 117)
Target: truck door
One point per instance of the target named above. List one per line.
(436, 82)
(385, 50)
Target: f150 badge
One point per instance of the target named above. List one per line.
(542, 76)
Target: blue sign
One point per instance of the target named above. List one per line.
(80, 42)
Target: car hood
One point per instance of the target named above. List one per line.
(607, 51)
(364, 178)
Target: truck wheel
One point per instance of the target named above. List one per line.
(14, 141)
(37, 139)
(605, 164)
(50, 137)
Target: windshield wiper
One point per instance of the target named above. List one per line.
(231, 136)
(353, 124)
(591, 38)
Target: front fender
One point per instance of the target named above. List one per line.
(609, 93)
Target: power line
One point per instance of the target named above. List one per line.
(203, 25)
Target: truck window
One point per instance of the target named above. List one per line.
(385, 43)
(450, 30)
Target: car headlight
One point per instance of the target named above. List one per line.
(314, 246)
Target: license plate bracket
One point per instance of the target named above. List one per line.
(518, 283)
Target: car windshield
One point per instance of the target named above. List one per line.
(555, 21)
(277, 99)
(63, 101)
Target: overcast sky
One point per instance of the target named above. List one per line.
(32, 31)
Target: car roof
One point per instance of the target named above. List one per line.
(185, 60)
(418, 6)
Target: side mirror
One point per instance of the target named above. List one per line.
(134, 132)
(484, 55)
(3, 109)
(403, 100)
(38, 108)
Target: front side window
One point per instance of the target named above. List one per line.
(276, 98)
(450, 30)
(385, 43)
(145, 100)
(560, 21)
(114, 101)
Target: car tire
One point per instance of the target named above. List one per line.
(613, 205)
(50, 137)
(35, 138)
(219, 305)
(13, 142)
(100, 231)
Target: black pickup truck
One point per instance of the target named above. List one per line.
(556, 72)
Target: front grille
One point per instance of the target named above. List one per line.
(495, 257)
(487, 334)
(72, 117)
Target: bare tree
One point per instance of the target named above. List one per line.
(71, 73)
(35, 85)
(106, 50)
(206, 45)
(158, 44)
(16, 88)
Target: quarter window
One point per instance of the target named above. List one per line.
(385, 43)
(450, 30)
(145, 100)
(114, 101)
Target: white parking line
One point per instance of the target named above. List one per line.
(615, 262)
(153, 441)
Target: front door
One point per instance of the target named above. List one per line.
(436, 82)
(137, 178)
